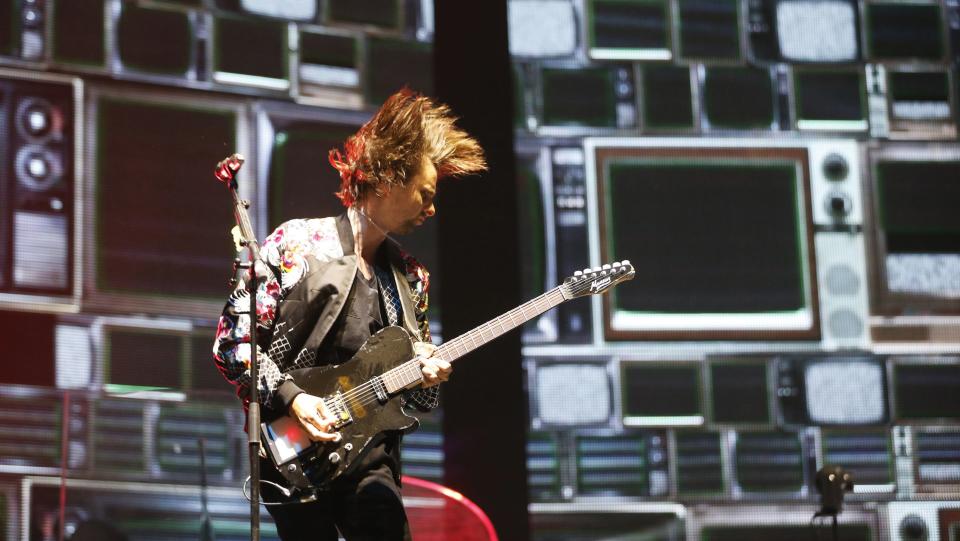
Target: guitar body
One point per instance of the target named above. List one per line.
(366, 417)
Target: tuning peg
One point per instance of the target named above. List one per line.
(606, 267)
(616, 264)
(625, 262)
(577, 274)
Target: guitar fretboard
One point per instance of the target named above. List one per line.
(409, 373)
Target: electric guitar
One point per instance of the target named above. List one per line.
(363, 393)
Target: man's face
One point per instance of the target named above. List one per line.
(403, 208)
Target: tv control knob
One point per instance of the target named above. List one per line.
(835, 167)
(348, 447)
(839, 204)
(334, 458)
(913, 528)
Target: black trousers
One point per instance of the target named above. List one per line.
(366, 507)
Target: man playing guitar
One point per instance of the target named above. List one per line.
(331, 283)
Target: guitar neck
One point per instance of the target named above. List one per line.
(408, 373)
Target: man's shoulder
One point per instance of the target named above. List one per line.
(292, 242)
(301, 231)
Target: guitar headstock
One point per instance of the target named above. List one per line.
(592, 281)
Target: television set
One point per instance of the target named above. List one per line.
(632, 464)
(830, 99)
(628, 29)
(329, 69)
(391, 63)
(598, 521)
(767, 462)
(667, 99)
(804, 31)
(542, 28)
(544, 469)
(738, 98)
(39, 144)
(568, 393)
(537, 235)
(903, 31)
(661, 393)
(250, 52)
(381, 14)
(157, 224)
(832, 390)
(915, 240)
(781, 521)
(715, 276)
(293, 10)
(86, 49)
(137, 30)
(925, 389)
(910, 520)
(936, 465)
(920, 104)
(739, 391)
(709, 30)
(562, 104)
(698, 456)
(867, 453)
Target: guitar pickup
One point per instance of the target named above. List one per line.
(380, 389)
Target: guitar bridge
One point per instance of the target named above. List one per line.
(339, 409)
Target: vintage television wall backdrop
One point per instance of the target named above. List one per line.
(785, 177)
(113, 114)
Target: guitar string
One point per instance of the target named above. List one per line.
(366, 393)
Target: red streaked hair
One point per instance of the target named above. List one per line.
(390, 147)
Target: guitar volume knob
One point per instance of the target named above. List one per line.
(334, 458)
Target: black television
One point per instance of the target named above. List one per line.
(381, 14)
(924, 389)
(611, 97)
(904, 31)
(709, 30)
(830, 99)
(251, 51)
(654, 393)
(79, 33)
(392, 63)
(921, 103)
(137, 29)
(915, 238)
(329, 68)
(628, 30)
(739, 390)
(157, 224)
(715, 275)
(738, 98)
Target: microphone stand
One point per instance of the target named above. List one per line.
(226, 172)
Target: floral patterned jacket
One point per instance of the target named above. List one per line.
(312, 265)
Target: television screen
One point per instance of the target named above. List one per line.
(817, 30)
(9, 38)
(118, 436)
(845, 391)
(667, 98)
(302, 184)
(936, 452)
(709, 29)
(739, 392)
(160, 226)
(142, 359)
(573, 394)
(919, 228)
(926, 390)
(632, 464)
(799, 532)
(830, 99)
(542, 28)
(769, 462)
(738, 98)
(386, 14)
(137, 30)
(661, 394)
(715, 274)
(70, 46)
(179, 427)
(328, 59)
(393, 63)
(867, 453)
(250, 51)
(296, 10)
(563, 92)
(628, 29)
(904, 30)
(699, 458)
(919, 95)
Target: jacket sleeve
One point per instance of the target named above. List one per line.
(231, 348)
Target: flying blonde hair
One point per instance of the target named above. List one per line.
(389, 149)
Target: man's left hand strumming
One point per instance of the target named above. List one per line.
(435, 370)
